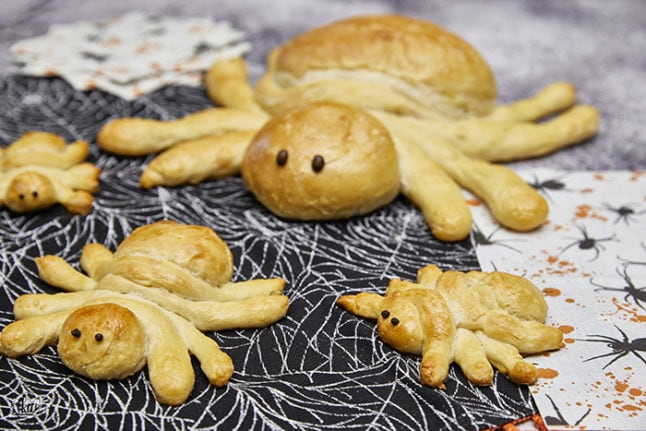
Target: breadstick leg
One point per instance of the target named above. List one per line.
(227, 84)
(93, 256)
(436, 360)
(215, 364)
(507, 360)
(554, 98)
(527, 336)
(248, 289)
(38, 304)
(365, 304)
(511, 200)
(471, 357)
(254, 312)
(56, 271)
(29, 336)
(427, 186)
(439, 336)
(194, 161)
(505, 141)
(141, 136)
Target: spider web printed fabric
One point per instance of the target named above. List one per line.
(319, 368)
(590, 259)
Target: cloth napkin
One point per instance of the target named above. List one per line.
(589, 259)
(130, 55)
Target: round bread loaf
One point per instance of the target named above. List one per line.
(196, 249)
(103, 341)
(389, 62)
(322, 161)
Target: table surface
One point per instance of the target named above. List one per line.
(320, 367)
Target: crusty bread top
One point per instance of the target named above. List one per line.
(410, 49)
(197, 249)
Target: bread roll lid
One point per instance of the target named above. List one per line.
(413, 50)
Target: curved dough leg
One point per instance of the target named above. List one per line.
(553, 98)
(29, 336)
(507, 360)
(427, 186)
(195, 161)
(142, 136)
(56, 271)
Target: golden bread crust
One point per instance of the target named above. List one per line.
(358, 163)
(102, 342)
(415, 53)
(202, 252)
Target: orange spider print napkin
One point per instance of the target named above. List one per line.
(130, 55)
(589, 259)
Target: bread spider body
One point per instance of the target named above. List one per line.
(474, 319)
(39, 170)
(145, 304)
(431, 90)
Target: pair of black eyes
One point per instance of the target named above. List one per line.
(22, 195)
(394, 320)
(76, 333)
(318, 162)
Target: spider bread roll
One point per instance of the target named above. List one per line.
(321, 162)
(40, 170)
(387, 62)
(458, 317)
(144, 305)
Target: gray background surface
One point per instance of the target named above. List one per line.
(598, 45)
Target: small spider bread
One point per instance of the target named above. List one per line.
(431, 90)
(474, 319)
(39, 170)
(144, 304)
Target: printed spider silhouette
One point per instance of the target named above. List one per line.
(474, 319)
(39, 170)
(638, 294)
(559, 420)
(587, 242)
(625, 212)
(619, 347)
(480, 239)
(549, 185)
(445, 138)
(144, 305)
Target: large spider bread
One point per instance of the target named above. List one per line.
(39, 170)
(432, 91)
(474, 319)
(145, 304)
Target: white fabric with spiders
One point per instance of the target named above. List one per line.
(591, 262)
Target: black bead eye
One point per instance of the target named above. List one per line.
(317, 163)
(34, 194)
(281, 157)
(76, 332)
(394, 321)
(385, 314)
(98, 336)
(21, 196)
